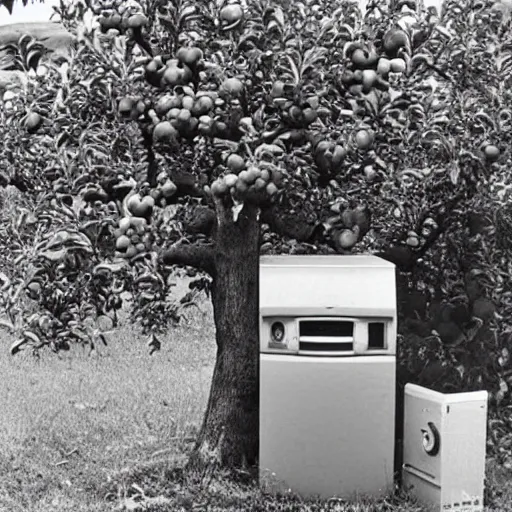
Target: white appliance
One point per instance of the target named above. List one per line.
(327, 375)
(444, 448)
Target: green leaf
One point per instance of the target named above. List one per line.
(267, 149)
(312, 58)
(454, 173)
(294, 69)
(78, 333)
(443, 31)
(4, 322)
(5, 282)
(112, 267)
(54, 255)
(279, 17)
(154, 344)
(16, 346)
(372, 102)
(30, 336)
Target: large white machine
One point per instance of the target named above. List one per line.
(327, 375)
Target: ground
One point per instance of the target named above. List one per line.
(68, 425)
(109, 431)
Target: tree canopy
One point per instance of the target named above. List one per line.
(9, 4)
(197, 135)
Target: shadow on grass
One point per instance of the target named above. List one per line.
(168, 487)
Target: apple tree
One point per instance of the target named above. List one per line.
(203, 134)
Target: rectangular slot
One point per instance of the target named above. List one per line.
(312, 346)
(376, 335)
(423, 475)
(326, 328)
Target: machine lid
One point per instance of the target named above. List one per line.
(352, 260)
(414, 390)
(363, 311)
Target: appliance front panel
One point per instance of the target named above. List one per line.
(422, 438)
(327, 424)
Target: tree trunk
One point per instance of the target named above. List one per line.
(229, 434)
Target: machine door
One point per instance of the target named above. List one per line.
(423, 419)
(327, 424)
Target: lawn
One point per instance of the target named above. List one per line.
(70, 424)
(110, 431)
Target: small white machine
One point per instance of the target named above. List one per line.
(444, 448)
(327, 375)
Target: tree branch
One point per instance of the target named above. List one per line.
(292, 226)
(139, 39)
(445, 209)
(201, 220)
(198, 255)
(19, 183)
(152, 163)
(440, 72)
(403, 256)
(4, 180)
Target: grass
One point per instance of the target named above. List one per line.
(69, 424)
(110, 431)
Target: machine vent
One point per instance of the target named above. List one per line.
(376, 335)
(313, 346)
(326, 336)
(326, 328)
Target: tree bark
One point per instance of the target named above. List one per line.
(229, 434)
